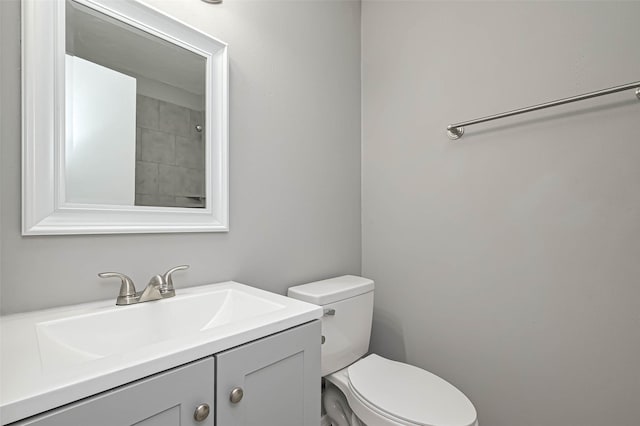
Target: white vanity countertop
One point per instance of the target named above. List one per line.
(39, 373)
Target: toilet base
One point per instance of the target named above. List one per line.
(325, 421)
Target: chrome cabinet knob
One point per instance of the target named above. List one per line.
(202, 412)
(236, 395)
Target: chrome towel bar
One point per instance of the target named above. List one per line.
(455, 131)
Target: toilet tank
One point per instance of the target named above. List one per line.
(346, 324)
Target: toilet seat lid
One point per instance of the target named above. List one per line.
(410, 393)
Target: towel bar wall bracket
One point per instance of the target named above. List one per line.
(455, 131)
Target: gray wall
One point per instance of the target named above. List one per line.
(506, 262)
(294, 172)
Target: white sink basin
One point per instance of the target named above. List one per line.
(120, 329)
(53, 357)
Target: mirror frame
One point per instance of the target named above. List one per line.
(44, 210)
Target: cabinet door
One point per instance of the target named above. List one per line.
(279, 376)
(165, 399)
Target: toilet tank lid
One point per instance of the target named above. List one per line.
(331, 290)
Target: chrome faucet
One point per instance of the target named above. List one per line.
(159, 287)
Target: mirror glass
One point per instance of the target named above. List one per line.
(134, 115)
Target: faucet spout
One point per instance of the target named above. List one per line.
(152, 291)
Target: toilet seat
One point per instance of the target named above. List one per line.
(407, 394)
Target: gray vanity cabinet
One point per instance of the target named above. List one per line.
(165, 399)
(271, 381)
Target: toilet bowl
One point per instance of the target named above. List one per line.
(382, 392)
(374, 391)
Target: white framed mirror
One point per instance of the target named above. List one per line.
(124, 121)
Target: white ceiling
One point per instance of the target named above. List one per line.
(101, 39)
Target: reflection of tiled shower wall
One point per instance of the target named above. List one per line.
(170, 163)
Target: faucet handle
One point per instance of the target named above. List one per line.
(127, 288)
(168, 281)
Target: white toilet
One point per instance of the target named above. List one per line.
(374, 391)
